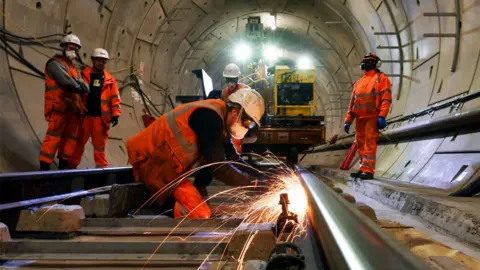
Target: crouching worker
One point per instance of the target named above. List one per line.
(103, 105)
(170, 146)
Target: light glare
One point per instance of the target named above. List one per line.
(304, 62)
(243, 51)
(274, 22)
(271, 53)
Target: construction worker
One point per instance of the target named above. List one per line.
(167, 149)
(64, 89)
(231, 73)
(369, 105)
(103, 110)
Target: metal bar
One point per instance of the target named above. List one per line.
(335, 22)
(60, 249)
(21, 176)
(398, 61)
(452, 122)
(388, 47)
(349, 240)
(439, 35)
(153, 221)
(384, 33)
(440, 14)
(456, 49)
(38, 201)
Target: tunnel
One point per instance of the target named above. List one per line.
(428, 154)
(430, 59)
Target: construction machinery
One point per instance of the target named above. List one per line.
(290, 124)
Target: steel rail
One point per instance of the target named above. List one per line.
(437, 125)
(38, 175)
(350, 240)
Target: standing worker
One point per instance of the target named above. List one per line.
(169, 147)
(370, 103)
(231, 73)
(63, 107)
(103, 105)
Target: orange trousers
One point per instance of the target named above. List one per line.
(189, 202)
(92, 126)
(366, 135)
(61, 136)
(157, 171)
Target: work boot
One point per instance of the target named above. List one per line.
(44, 166)
(63, 164)
(365, 176)
(355, 174)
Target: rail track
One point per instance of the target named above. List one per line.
(337, 234)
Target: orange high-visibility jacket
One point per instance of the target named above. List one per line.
(169, 144)
(226, 92)
(371, 96)
(109, 98)
(54, 93)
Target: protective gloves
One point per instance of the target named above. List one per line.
(114, 120)
(381, 122)
(346, 127)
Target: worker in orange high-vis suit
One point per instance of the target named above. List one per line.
(231, 74)
(103, 105)
(167, 149)
(369, 105)
(64, 90)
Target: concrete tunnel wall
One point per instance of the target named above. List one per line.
(172, 37)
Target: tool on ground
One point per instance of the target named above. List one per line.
(286, 256)
(287, 220)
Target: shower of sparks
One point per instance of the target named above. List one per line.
(252, 206)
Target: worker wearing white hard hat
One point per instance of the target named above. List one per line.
(201, 130)
(231, 73)
(64, 90)
(103, 110)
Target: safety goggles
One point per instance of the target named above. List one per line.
(231, 80)
(247, 121)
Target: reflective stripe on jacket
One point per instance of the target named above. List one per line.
(54, 93)
(110, 96)
(371, 96)
(169, 139)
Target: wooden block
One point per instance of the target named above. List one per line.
(56, 218)
(367, 210)
(349, 198)
(262, 241)
(125, 198)
(4, 233)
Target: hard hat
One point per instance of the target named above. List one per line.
(374, 57)
(71, 38)
(251, 101)
(231, 71)
(100, 53)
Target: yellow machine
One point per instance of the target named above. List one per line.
(290, 124)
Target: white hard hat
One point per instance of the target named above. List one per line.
(231, 71)
(100, 53)
(71, 38)
(251, 101)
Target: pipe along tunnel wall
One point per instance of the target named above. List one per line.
(168, 38)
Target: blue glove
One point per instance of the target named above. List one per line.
(381, 122)
(346, 127)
